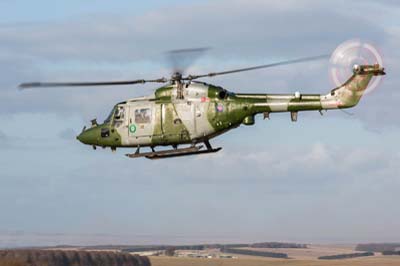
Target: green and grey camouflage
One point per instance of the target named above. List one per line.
(195, 112)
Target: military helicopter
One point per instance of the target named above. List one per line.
(189, 112)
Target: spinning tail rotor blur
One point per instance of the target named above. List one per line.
(350, 53)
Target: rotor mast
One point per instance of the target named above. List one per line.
(177, 79)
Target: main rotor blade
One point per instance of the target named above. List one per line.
(295, 61)
(84, 84)
(180, 60)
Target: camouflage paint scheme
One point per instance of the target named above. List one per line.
(208, 111)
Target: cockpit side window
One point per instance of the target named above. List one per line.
(119, 116)
(223, 94)
(120, 113)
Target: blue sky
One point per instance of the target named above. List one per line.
(323, 179)
(44, 10)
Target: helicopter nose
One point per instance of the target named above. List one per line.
(85, 137)
(81, 137)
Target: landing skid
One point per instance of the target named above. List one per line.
(193, 150)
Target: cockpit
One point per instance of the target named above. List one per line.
(116, 116)
(109, 117)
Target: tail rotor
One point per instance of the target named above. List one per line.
(350, 54)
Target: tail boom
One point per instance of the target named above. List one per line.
(344, 96)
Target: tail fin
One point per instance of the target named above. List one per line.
(350, 93)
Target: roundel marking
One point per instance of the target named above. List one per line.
(132, 128)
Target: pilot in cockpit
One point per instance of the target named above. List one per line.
(119, 116)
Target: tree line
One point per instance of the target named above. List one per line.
(391, 252)
(378, 247)
(346, 256)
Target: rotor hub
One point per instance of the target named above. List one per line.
(176, 76)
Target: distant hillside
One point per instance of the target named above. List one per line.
(277, 245)
(378, 247)
(254, 253)
(164, 247)
(205, 246)
(36, 257)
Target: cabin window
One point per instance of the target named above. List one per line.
(143, 116)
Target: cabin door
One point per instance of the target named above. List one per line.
(141, 120)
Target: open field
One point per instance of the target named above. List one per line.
(298, 257)
(257, 261)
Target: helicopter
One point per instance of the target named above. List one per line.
(189, 112)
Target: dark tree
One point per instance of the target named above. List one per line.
(69, 258)
(170, 251)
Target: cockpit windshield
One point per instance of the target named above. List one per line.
(117, 116)
(109, 117)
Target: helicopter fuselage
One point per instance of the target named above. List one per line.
(203, 111)
(163, 119)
